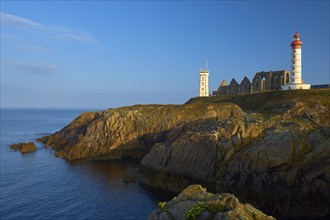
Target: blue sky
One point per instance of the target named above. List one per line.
(101, 54)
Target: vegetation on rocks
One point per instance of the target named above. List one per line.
(163, 206)
(195, 212)
(195, 202)
(269, 101)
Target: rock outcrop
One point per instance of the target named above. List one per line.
(24, 147)
(130, 131)
(278, 160)
(270, 149)
(195, 203)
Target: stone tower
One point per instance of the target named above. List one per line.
(204, 82)
(296, 79)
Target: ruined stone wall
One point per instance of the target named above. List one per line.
(262, 81)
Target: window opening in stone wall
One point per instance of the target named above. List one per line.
(287, 78)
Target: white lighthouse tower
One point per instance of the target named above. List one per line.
(296, 81)
(204, 81)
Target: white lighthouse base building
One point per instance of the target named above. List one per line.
(296, 86)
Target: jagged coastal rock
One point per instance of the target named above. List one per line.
(270, 149)
(24, 147)
(195, 202)
(130, 131)
(276, 158)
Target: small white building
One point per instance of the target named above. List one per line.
(204, 89)
(204, 82)
(296, 81)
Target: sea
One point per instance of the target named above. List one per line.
(39, 185)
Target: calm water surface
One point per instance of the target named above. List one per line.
(40, 186)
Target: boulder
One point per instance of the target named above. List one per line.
(195, 202)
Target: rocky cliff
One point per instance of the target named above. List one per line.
(131, 131)
(195, 202)
(269, 149)
(276, 156)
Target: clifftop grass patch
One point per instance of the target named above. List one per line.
(266, 101)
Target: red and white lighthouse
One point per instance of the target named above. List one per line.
(296, 59)
(296, 81)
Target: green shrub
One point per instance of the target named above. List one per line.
(163, 206)
(195, 212)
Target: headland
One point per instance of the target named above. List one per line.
(270, 149)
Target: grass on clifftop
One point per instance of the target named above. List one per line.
(262, 101)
